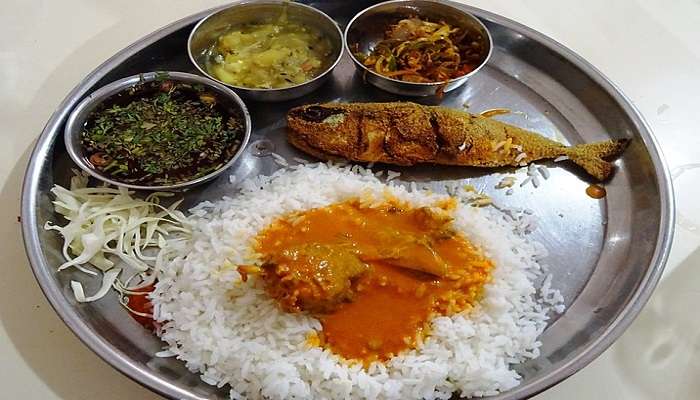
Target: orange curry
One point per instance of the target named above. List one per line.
(374, 276)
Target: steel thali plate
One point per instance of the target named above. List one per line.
(606, 256)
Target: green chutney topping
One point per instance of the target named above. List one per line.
(162, 133)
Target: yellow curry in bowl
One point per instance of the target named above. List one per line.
(271, 55)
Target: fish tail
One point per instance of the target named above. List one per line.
(591, 157)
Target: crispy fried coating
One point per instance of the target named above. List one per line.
(408, 133)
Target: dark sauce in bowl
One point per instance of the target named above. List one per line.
(162, 133)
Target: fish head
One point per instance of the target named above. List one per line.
(316, 116)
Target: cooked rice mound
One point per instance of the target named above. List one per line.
(232, 332)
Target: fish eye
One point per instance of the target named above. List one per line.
(316, 113)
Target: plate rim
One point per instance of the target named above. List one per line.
(118, 360)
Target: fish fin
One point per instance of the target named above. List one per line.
(591, 157)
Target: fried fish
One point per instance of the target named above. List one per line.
(408, 133)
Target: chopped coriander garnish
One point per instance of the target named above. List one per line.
(165, 133)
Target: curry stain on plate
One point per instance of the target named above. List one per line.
(595, 191)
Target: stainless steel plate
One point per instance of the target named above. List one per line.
(606, 255)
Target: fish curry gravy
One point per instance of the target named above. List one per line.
(374, 276)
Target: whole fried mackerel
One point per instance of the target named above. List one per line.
(409, 133)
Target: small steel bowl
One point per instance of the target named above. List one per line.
(209, 29)
(367, 28)
(79, 116)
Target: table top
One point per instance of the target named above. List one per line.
(651, 51)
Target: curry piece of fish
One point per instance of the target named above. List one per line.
(409, 133)
(314, 277)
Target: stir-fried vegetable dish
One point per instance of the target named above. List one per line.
(415, 50)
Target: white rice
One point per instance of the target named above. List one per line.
(526, 181)
(279, 160)
(392, 175)
(232, 333)
(533, 171)
(506, 182)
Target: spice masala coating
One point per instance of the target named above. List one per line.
(405, 133)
